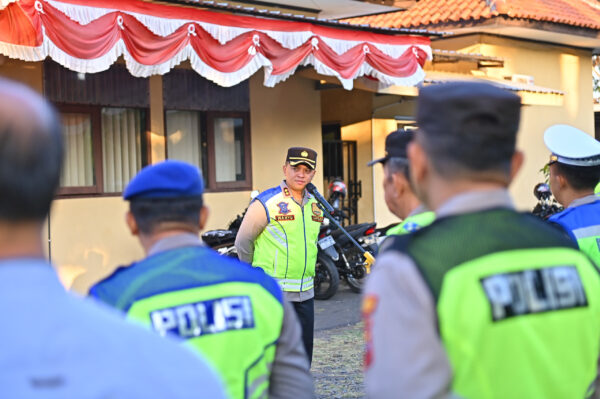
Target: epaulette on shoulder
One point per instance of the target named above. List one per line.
(396, 243)
(267, 194)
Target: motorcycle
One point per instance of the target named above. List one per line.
(223, 240)
(547, 205)
(337, 194)
(341, 252)
(338, 257)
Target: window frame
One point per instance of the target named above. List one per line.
(206, 126)
(97, 190)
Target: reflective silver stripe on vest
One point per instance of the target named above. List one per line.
(288, 284)
(584, 232)
(256, 384)
(276, 234)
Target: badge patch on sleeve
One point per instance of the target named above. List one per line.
(369, 305)
(534, 291)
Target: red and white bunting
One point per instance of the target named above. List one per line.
(90, 35)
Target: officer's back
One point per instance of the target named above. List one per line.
(53, 344)
(485, 302)
(230, 312)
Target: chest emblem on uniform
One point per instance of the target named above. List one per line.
(317, 213)
(284, 208)
(316, 210)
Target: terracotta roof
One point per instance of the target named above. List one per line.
(276, 14)
(580, 13)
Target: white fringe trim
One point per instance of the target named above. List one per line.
(5, 3)
(364, 70)
(164, 27)
(48, 48)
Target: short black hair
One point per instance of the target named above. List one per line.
(398, 165)
(31, 157)
(150, 213)
(579, 177)
(468, 129)
(479, 154)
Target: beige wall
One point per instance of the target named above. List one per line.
(88, 235)
(157, 121)
(284, 116)
(551, 66)
(354, 110)
(89, 239)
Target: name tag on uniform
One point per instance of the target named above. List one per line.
(206, 317)
(534, 291)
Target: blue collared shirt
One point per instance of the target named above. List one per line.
(56, 345)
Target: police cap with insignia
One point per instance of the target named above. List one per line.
(572, 146)
(474, 124)
(396, 144)
(302, 155)
(167, 179)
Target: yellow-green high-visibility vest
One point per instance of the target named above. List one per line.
(287, 248)
(228, 311)
(518, 305)
(412, 223)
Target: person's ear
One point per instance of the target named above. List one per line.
(203, 217)
(418, 162)
(562, 181)
(131, 223)
(399, 184)
(516, 163)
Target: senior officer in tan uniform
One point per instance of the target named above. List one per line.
(279, 234)
(485, 302)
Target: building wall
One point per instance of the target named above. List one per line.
(556, 67)
(88, 236)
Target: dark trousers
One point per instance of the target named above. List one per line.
(306, 314)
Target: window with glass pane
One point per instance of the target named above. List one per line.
(78, 165)
(121, 146)
(229, 149)
(184, 137)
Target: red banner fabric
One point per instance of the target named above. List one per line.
(89, 36)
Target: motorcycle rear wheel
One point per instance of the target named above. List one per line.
(327, 278)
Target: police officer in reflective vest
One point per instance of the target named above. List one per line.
(279, 235)
(574, 173)
(399, 195)
(232, 313)
(485, 302)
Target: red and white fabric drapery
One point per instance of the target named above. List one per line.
(90, 35)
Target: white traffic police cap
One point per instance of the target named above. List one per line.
(572, 146)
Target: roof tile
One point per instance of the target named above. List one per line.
(582, 13)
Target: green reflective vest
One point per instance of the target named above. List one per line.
(228, 311)
(412, 223)
(518, 306)
(287, 248)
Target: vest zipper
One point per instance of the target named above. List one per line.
(305, 248)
